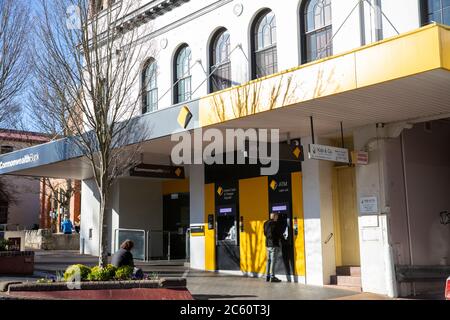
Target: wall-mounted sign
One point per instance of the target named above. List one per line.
(360, 158)
(368, 205)
(157, 171)
(328, 153)
(286, 152)
(226, 193)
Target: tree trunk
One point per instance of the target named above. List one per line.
(103, 228)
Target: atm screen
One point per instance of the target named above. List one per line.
(226, 211)
(226, 223)
(280, 208)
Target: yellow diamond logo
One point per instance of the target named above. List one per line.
(178, 172)
(274, 185)
(184, 117)
(220, 191)
(297, 152)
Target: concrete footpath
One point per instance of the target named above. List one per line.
(202, 285)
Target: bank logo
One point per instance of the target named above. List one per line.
(297, 152)
(274, 185)
(184, 117)
(220, 191)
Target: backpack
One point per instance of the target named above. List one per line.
(267, 230)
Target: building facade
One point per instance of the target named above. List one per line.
(19, 197)
(365, 76)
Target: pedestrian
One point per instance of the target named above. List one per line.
(77, 226)
(124, 257)
(272, 231)
(66, 225)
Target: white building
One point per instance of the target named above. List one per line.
(377, 67)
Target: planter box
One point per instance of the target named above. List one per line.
(16, 262)
(173, 289)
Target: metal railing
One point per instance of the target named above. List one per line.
(155, 244)
(135, 235)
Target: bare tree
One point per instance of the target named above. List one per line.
(89, 63)
(14, 22)
(47, 114)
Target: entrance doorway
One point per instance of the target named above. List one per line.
(280, 202)
(345, 217)
(227, 228)
(175, 224)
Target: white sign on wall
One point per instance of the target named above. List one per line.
(368, 205)
(328, 153)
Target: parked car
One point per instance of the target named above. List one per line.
(447, 289)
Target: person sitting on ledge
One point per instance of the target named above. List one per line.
(124, 257)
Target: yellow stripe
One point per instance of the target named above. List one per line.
(444, 47)
(210, 237)
(297, 211)
(253, 206)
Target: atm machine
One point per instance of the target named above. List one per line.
(280, 202)
(227, 227)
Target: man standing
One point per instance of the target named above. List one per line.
(273, 235)
(66, 225)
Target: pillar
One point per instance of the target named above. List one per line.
(377, 273)
(197, 214)
(318, 212)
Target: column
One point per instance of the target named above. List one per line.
(197, 214)
(318, 211)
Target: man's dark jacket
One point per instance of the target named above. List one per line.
(272, 231)
(122, 258)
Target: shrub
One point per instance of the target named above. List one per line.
(124, 273)
(102, 274)
(44, 280)
(73, 269)
(4, 243)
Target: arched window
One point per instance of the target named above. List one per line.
(436, 11)
(316, 30)
(149, 87)
(220, 68)
(265, 60)
(182, 75)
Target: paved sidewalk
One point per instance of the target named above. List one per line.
(202, 285)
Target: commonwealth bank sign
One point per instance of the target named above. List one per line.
(29, 158)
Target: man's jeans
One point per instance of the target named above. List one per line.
(272, 253)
